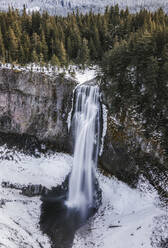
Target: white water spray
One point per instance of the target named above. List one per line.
(85, 123)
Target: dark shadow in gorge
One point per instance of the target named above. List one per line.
(59, 222)
(30, 145)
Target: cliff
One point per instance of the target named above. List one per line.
(35, 104)
(133, 148)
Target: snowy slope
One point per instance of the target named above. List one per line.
(47, 170)
(62, 7)
(126, 218)
(19, 215)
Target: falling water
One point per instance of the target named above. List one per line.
(85, 123)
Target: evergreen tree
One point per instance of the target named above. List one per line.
(24, 37)
(83, 56)
(34, 57)
(96, 40)
(41, 60)
(21, 56)
(93, 52)
(12, 45)
(69, 48)
(44, 47)
(2, 48)
(26, 47)
(55, 61)
(62, 54)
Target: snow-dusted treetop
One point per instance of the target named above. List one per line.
(62, 7)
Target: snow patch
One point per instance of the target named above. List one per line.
(48, 171)
(105, 111)
(20, 215)
(125, 218)
(85, 75)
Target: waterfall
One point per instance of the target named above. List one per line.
(86, 129)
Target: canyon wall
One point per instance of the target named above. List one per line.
(35, 104)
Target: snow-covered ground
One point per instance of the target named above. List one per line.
(48, 70)
(85, 75)
(74, 72)
(126, 218)
(48, 170)
(19, 215)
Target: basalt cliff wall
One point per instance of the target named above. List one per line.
(37, 105)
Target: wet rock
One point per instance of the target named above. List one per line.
(2, 203)
(11, 185)
(34, 190)
(27, 190)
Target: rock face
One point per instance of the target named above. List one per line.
(29, 190)
(128, 151)
(35, 104)
(115, 158)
